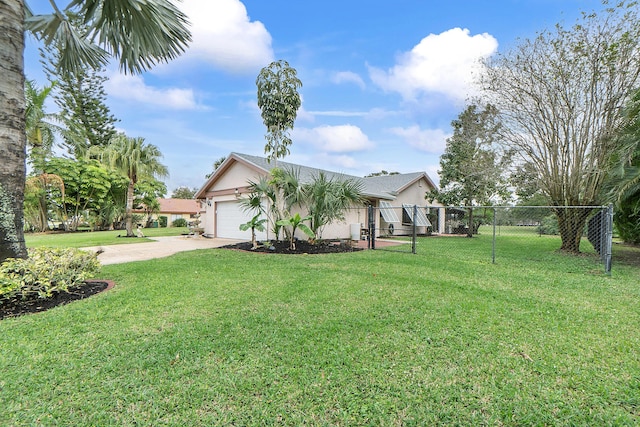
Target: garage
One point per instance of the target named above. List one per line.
(229, 217)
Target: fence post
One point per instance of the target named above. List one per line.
(414, 234)
(609, 240)
(372, 228)
(493, 245)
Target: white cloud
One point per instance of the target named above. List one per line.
(134, 88)
(444, 63)
(334, 139)
(427, 140)
(348, 77)
(224, 36)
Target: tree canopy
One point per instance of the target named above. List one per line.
(472, 167)
(279, 101)
(138, 34)
(560, 97)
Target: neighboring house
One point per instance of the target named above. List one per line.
(221, 194)
(173, 209)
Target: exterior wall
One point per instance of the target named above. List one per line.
(412, 195)
(237, 176)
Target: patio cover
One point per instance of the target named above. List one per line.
(388, 214)
(421, 220)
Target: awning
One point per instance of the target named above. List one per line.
(421, 220)
(388, 214)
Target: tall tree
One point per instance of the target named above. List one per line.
(472, 168)
(184, 193)
(134, 159)
(139, 34)
(86, 188)
(623, 181)
(81, 98)
(41, 126)
(560, 95)
(279, 101)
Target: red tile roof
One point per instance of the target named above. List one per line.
(179, 206)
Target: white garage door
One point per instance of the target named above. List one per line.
(229, 216)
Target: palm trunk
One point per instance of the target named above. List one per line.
(13, 138)
(129, 210)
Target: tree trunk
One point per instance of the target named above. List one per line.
(129, 209)
(13, 138)
(571, 222)
(470, 232)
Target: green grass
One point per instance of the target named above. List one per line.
(218, 337)
(96, 238)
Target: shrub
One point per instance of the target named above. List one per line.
(47, 271)
(180, 222)
(549, 225)
(162, 220)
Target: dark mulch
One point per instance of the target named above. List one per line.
(302, 247)
(13, 308)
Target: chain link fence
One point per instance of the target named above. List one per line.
(584, 229)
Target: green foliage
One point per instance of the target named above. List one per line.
(279, 101)
(623, 181)
(46, 272)
(86, 187)
(296, 222)
(561, 95)
(180, 222)
(254, 224)
(41, 127)
(138, 34)
(162, 221)
(472, 168)
(81, 98)
(549, 225)
(184, 193)
(136, 160)
(146, 192)
(327, 199)
(381, 173)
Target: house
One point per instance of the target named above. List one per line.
(173, 209)
(393, 196)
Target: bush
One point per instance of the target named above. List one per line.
(549, 225)
(162, 220)
(47, 271)
(180, 222)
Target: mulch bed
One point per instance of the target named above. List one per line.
(302, 247)
(13, 308)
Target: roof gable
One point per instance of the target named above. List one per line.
(379, 187)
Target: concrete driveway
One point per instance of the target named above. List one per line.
(160, 247)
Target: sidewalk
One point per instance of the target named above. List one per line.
(161, 247)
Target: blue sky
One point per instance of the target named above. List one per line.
(382, 80)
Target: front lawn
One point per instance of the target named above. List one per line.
(220, 337)
(83, 239)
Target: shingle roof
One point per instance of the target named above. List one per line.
(380, 187)
(179, 206)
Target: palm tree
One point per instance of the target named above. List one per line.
(329, 198)
(135, 160)
(39, 124)
(139, 34)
